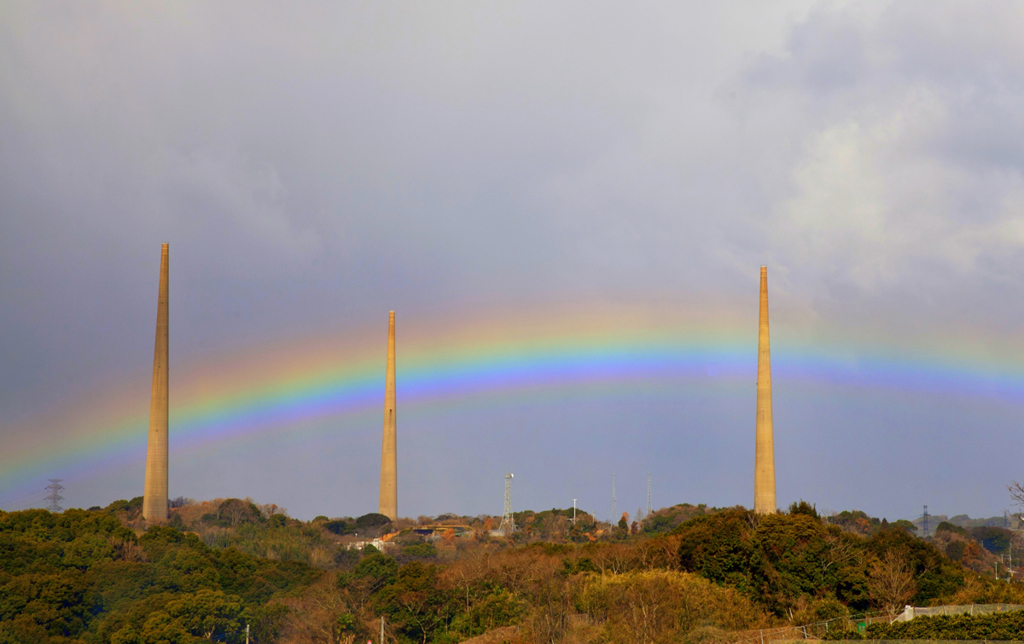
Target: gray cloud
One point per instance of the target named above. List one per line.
(314, 166)
(904, 174)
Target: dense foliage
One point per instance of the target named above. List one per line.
(996, 626)
(104, 576)
(782, 560)
(81, 576)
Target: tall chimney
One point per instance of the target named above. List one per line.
(764, 460)
(389, 452)
(154, 500)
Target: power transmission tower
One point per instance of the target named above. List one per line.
(508, 524)
(54, 498)
(615, 503)
(925, 522)
(649, 508)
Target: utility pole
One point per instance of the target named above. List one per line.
(615, 503)
(649, 508)
(381, 629)
(54, 497)
(925, 521)
(246, 634)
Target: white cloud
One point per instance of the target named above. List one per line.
(900, 165)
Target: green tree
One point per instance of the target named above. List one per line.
(717, 547)
(373, 572)
(416, 604)
(209, 614)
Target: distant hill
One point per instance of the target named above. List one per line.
(964, 521)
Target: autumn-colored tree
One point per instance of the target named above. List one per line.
(891, 582)
(624, 524)
(324, 614)
(661, 606)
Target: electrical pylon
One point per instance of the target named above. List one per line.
(508, 524)
(54, 498)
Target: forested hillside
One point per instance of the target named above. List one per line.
(82, 576)
(101, 576)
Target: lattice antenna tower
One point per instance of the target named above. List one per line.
(615, 503)
(54, 497)
(649, 508)
(924, 522)
(508, 524)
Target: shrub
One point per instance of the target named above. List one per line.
(658, 605)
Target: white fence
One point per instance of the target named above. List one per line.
(970, 609)
(860, 622)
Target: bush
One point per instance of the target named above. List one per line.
(372, 520)
(82, 576)
(420, 551)
(996, 626)
(785, 560)
(340, 527)
(659, 605)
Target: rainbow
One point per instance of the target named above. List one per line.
(496, 355)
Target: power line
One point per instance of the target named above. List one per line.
(30, 500)
(54, 497)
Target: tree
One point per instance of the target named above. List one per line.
(717, 546)
(372, 521)
(323, 614)
(375, 571)
(235, 511)
(416, 604)
(1016, 490)
(803, 507)
(891, 582)
(209, 614)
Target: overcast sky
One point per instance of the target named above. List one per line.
(314, 165)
